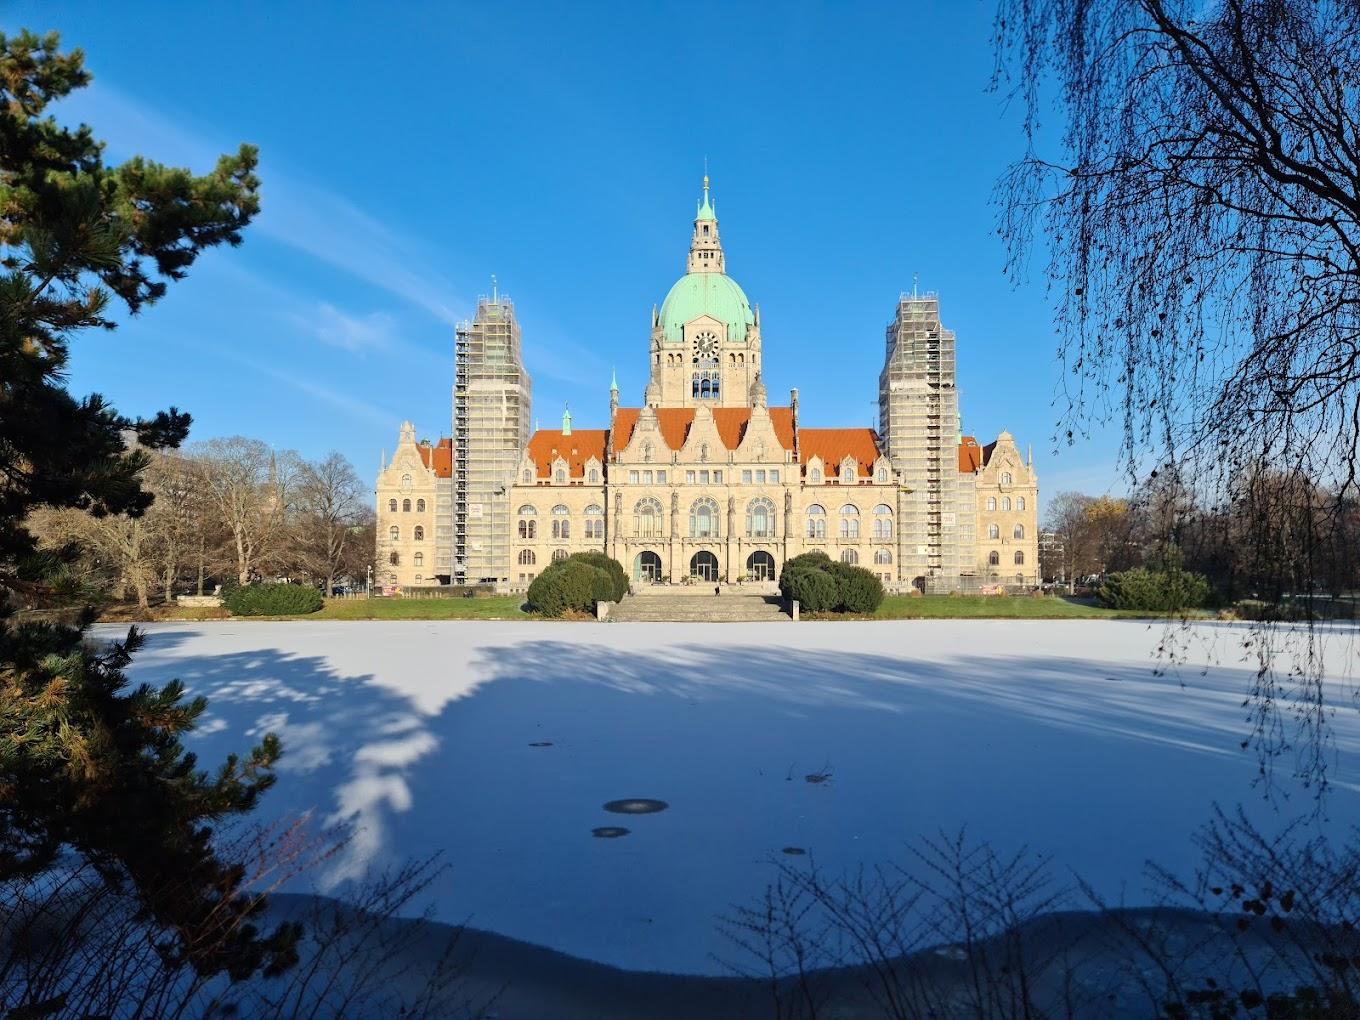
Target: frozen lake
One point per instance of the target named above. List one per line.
(501, 742)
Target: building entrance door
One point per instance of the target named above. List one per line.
(704, 565)
(760, 566)
(647, 567)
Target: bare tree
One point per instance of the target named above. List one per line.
(1201, 213)
(250, 486)
(330, 507)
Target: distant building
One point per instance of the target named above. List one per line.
(706, 479)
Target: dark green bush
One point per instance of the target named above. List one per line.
(618, 577)
(272, 600)
(859, 590)
(569, 585)
(1156, 591)
(823, 585)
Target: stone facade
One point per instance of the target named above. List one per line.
(415, 500)
(706, 480)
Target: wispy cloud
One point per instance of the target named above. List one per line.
(295, 211)
(350, 405)
(354, 333)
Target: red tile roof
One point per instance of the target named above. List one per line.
(547, 444)
(676, 421)
(834, 445)
(441, 456)
(970, 455)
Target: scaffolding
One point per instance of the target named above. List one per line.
(491, 408)
(919, 420)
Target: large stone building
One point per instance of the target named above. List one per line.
(706, 478)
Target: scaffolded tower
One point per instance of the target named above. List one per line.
(919, 421)
(491, 397)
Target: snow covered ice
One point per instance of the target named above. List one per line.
(501, 744)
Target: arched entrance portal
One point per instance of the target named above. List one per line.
(704, 566)
(760, 566)
(647, 567)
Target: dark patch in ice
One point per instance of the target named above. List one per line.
(636, 806)
(818, 777)
(540, 743)
(793, 851)
(609, 832)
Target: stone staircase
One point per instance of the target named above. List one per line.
(698, 604)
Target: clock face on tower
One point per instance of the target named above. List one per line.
(705, 346)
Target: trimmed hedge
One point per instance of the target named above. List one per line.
(821, 585)
(1157, 591)
(272, 600)
(578, 583)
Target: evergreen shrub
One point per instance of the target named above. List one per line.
(821, 585)
(1156, 591)
(569, 585)
(618, 577)
(272, 599)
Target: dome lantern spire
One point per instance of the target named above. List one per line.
(705, 248)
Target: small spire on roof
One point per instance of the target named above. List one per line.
(566, 420)
(613, 380)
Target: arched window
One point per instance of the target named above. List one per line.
(1005, 478)
(420, 533)
(406, 506)
(647, 518)
(528, 529)
(848, 472)
(526, 558)
(391, 578)
(406, 483)
(1019, 531)
(419, 559)
(1019, 502)
(527, 511)
(816, 521)
(849, 521)
(1019, 558)
(561, 476)
(420, 506)
(528, 477)
(392, 506)
(594, 476)
(882, 474)
(883, 521)
(394, 559)
(594, 522)
(703, 518)
(559, 555)
(849, 556)
(561, 525)
(760, 518)
(394, 533)
(994, 531)
(1005, 503)
(815, 476)
(419, 579)
(991, 502)
(994, 559)
(882, 556)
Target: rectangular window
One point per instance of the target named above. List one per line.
(746, 478)
(717, 477)
(633, 477)
(647, 477)
(661, 477)
(689, 477)
(760, 477)
(774, 477)
(703, 477)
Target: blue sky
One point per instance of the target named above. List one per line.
(410, 152)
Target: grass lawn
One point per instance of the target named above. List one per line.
(1007, 607)
(496, 607)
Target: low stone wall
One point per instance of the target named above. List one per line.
(199, 601)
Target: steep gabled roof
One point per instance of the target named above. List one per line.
(548, 444)
(675, 423)
(970, 455)
(834, 445)
(438, 459)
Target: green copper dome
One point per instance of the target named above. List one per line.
(696, 294)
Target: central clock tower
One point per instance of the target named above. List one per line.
(706, 336)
